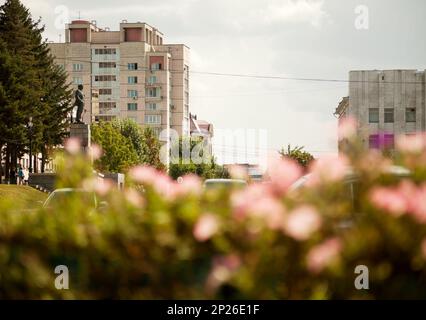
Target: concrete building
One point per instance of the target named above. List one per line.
(128, 73)
(385, 104)
(201, 129)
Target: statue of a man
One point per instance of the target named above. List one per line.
(79, 102)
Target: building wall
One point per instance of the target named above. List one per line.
(393, 89)
(144, 47)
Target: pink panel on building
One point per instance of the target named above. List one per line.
(80, 22)
(78, 35)
(155, 59)
(133, 34)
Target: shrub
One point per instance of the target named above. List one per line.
(267, 241)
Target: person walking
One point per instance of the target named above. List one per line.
(12, 176)
(20, 176)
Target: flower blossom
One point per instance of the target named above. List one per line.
(347, 128)
(206, 226)
(328, 169)
(302, 222)
(322, 255)
(283, 173)
(189, 184)
(72, 145)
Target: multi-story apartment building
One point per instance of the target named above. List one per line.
(128, 73)
(385, 104)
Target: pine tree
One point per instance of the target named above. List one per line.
(32, 86)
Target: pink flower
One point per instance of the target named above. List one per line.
(223, 267)
(133, 197)
(302, 222)
(241, 201)
(159, 181)
(189, 184)
(417, 204)
(347, 128)
(238, 172)
(72, 145)
(100, 186)
(144, 174)
(328, 169)
(322, 255)
(411, 144)
(95, 151)
(283, 173)
(206, 226)
(390, 200)
(258, 201)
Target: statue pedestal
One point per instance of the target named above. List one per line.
(81, 131)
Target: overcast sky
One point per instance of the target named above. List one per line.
(305, 38)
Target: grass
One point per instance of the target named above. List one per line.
(22, 196)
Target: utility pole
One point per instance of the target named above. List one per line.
(30, 129)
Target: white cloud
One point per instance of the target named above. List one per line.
(310, 11)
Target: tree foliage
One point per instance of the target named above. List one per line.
(207, 169)
(297, 153)
(125, 144)
(31, 86)
(118, 152)
(143, 140)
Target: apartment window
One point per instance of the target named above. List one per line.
(132, 80)
(132, 93)
(153, 119)
(106, 51)
(77, 80)
(151, 106)
(106, 105)
(132, 66)
(389, 115)
(104, 118)
(105, 92)
(389, 141)
(105, 78)
(156, 66)
(410, 115)
(132, 106)
(152, 92)
(152, 79)
(373, 115)
(108, 65)
(77, 67)
(373, 141)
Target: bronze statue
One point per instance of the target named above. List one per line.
(79, 102)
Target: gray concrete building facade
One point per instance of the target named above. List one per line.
(385, 103)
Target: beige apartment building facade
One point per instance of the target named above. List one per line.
(128, 73)
(386, 104)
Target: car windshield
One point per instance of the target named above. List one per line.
(213, 184)
(61, 196)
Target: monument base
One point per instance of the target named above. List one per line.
(81, 131)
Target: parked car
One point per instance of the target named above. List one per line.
(351, 183)
(224, 183)
(60, 196)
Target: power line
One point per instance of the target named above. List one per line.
(254, 76)
(239, 75)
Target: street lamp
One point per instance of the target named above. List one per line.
(30, 129)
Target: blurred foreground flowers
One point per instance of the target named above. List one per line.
(161, 238)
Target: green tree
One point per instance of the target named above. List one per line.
(304, 158)
(118, 152)
(143, 140)
(207, 169)
(32, 86)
